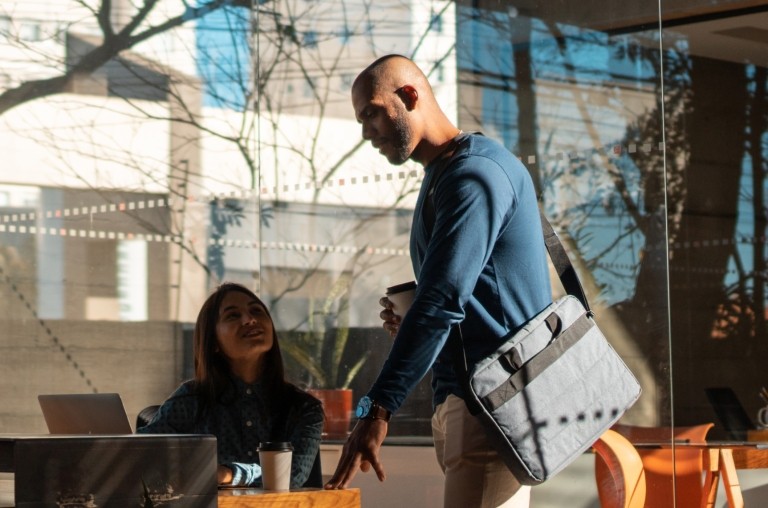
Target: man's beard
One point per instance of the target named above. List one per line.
(401, 142)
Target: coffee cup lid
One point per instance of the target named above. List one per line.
(399, 288)
(275, 446)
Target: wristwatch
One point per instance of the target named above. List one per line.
(370, 409)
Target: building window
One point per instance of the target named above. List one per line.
(5, 26)
(310, 39)
(309, 88)
(345, 34)
(30, 31)
(61, 33)
(346, 81)
(436, 24)
(440, 73)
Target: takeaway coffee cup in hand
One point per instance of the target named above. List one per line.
(275, 458)
(401, 297)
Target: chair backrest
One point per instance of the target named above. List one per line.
(145, 415)
(618, 472)
(670, 474)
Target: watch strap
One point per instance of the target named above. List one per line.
(378, 412)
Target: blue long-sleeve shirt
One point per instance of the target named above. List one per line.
(243, 422)
(484, 266)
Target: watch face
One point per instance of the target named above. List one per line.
(363, 407)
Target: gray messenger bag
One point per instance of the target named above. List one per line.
(552, 389)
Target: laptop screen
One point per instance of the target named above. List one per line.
(730, 412)
(85, 413)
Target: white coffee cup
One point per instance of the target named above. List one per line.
(401, 296)
(762, 417)
(275, 459)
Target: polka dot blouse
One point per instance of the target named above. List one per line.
(242, 420)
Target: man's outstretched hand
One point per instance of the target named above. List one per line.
(360, 451)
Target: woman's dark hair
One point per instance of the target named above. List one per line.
(212, 372)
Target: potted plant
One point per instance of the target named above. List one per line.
(319, 347)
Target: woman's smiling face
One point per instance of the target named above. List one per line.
(244, 328)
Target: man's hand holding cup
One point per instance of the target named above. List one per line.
(396, 302)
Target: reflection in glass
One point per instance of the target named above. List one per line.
(140, 172)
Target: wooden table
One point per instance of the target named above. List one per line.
(721, 460)
(299, 498)
(757, 435)
(249, 498)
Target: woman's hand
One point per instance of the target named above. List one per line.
(223, 475)
(391, 320)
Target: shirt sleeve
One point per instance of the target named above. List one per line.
(245, 474)
(306, 427)
(472, 200)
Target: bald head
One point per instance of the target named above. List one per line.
(394, 102)
(392, 72)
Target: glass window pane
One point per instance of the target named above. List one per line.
(138, 176)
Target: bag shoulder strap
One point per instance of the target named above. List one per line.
(562, 263)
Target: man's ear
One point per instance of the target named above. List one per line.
(409, 95)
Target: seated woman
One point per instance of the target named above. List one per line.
(239, 393)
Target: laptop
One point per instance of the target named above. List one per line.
(730, 412)
(85, 413)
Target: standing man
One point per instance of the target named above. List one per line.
(478, 254)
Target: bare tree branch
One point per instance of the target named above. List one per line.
(112, 45)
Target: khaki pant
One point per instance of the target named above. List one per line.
(475, 475)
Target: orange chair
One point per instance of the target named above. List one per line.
(621, 479)
(662, 467)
